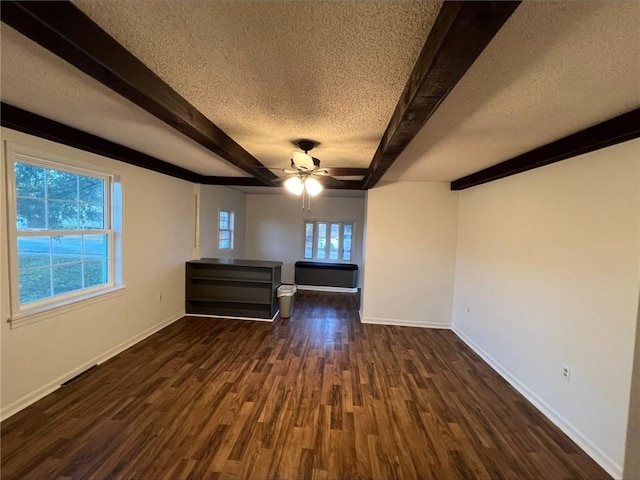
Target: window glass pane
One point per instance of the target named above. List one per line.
(35, 284)
(224, 240)
(34, 252)
(92, 216)
(62, 215)
(31, 214)
(29, 181)
(335, 238)
(224, 220)
(92, 189)
(231, 220)
(308, 240)
(346, 241)
(95, 257)
(67, 249)
(95, 247)
(322, 240)
(67, 278)
(95, 272)
(62, 185)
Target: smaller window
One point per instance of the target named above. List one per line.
(328, 241)
(226, 221)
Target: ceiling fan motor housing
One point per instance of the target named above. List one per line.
(306, 145)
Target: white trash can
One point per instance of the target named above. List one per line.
(285, 299)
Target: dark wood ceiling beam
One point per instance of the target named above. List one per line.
(617, 130)
(329, 182)
(337, 184)
(27, 122)
(23, 121)
(346, 171)
(234, 181)
(459, 35)
(63, 29)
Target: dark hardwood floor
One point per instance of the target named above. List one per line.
(317, 396)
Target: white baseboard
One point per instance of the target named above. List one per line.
(52, 386)
(321, 288)
(404, 323)
(562, 423)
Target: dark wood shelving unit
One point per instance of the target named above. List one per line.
(232, 288)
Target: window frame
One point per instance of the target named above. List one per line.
(231, 230)
(314, 247)
(23, 312)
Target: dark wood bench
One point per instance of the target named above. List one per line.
(342, 275)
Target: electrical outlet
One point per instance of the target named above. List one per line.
(468, 309)
(566, 373)
(160, 297)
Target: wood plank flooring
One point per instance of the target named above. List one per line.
(317, 396)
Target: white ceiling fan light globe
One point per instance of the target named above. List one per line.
(301, 159)
(313, 186)
(294, 185)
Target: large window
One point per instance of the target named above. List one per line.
(226, 224)
(328, 241)
(62, 237)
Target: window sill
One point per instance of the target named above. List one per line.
(33, 315)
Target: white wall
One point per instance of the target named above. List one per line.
(410, 254)
(363, 269)
(212, 199)
(632, 454)
(547, 265)
(158, 224)
(275, 227)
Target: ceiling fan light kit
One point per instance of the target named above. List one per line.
(312, 186)
(300, 184)
(304, 167)
(295, 185)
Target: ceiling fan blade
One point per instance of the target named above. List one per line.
(329, 181)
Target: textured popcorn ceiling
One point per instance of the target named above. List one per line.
(269, 72)
(36, 80)
(554, 68)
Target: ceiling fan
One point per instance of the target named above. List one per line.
(304, 169)
(302, 177)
